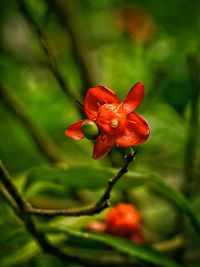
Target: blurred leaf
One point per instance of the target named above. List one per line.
(79, 176)
(49, 260)
(21, 255)
(60, 181)
(125, 246)
(174, 196)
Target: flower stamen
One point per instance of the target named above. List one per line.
(114, 123)
(110, 107)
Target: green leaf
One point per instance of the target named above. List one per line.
(77, 177)
(175, 197)
(60, 181)
(122, 245)
(21, 255)
(49, 260)
(92, 177)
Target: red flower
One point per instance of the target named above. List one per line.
(122, 220)
(117, 122)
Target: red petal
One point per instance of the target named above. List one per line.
(74, 130)
(98, 96)
(134, 97)
(135, 133)
(102, 146)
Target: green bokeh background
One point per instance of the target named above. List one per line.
(116, 58)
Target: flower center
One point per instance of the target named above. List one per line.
(110, 106)
(111, 118)
(114, 123)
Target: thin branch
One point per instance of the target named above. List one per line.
(8, 199)
(100, 205)
(46, 145)
(123, 170)
(67, 212)
(21, 211)
(47, 49)
(63, 11)
(80, 104)
(11, 188)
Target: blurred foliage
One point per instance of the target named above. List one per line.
(123, 42)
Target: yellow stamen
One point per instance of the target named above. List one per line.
(110, 107)
(114, 123)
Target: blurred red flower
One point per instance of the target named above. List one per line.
(122, 220)
(139, 24)
(117, 123)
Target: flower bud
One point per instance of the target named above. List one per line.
(90, 129)
(123, 220)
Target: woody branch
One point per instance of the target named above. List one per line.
(100, 205)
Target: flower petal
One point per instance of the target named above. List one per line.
(102, 146)
(74, 131)
(135, 132)
(97, 96)
(134, 97)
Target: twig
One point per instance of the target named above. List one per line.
(80, 104)
(100, 205)
(62, 10)
(24, 210)
(46, 145)
(66, 212)
(11, 188)
(47, 49)
(21, 211)
(124, 169)
(8, 199)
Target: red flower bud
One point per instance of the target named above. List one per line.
(123, 220)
